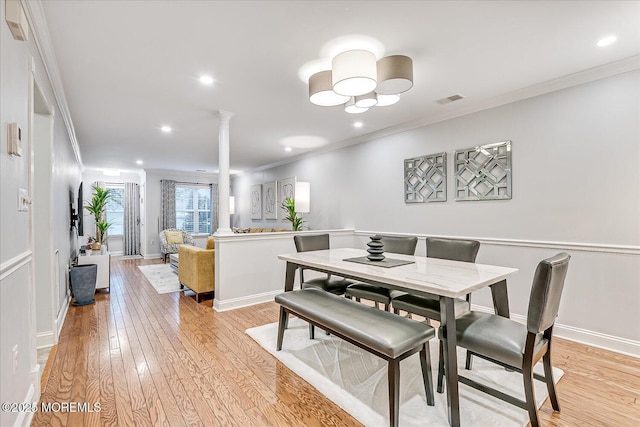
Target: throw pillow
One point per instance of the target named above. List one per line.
(174, 237)
(211, 244)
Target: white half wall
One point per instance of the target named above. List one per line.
(576, 180)
(248, 270)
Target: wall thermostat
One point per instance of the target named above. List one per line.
(14, 139)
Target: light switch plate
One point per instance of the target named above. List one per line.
(23, 200)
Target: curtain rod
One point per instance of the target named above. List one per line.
(185, 182)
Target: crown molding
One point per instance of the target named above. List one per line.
(581, 77)
(38, 23)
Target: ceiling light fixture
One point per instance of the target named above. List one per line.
(206, 80)
(287, 149)
(139, 162)
(606, 41)
(354, 73)
(386, 100)
(367, 100)
(357, 125)
(351, 107)
(321, 90)
(359, 82)
(166, 129)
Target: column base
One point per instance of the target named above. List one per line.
(224, 232)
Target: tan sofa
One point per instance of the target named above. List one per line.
(196, 268)
(258, 230)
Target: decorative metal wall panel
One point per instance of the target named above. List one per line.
(256, 201)
(270, 200)
(286, 190)
(483, 172)
(425, 179)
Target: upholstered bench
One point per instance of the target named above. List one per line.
(384, 334)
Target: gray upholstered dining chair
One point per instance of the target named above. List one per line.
(429, 308)
(517, 346)
(333, 284)
(393, 244)
(318, 242)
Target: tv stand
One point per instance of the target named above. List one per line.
(102, 259)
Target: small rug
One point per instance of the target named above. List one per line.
(162, 277)
(126, 257)
(357, 381)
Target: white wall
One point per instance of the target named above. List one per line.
(576, 179)
(17, 287)
(153, 206)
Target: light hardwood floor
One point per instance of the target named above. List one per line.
(154, 359)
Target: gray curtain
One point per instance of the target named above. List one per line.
(131, 225)
(214, 208)
(168, 204)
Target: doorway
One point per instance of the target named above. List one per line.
(46, 271)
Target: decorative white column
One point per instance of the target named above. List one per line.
(224, 220)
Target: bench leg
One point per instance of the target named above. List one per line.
(425, 363)
(469, 362)
(312, 331)
(394, 392)
(441, 368)
(282, 322)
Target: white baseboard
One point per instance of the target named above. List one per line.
(234, 303)
(152, 256)
(49, 338)
(45, 340)
(24, 417)
(583, 336)
(62, 315)
(116, 253)
(597, 339)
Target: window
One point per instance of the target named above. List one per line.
(193, 208)
(115, 209)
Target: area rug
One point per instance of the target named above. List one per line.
(162, 277)
(357, 381)
(127, 257)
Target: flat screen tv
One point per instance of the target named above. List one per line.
(76, 211)
(80, 211)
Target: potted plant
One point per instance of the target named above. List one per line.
(289, 206)
(96, 207)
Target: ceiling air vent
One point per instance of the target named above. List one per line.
(449, 99)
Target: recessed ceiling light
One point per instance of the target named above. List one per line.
(166, 129)
(139, 162)
(607, 41)
(287, 149)
(357, 125)
(206, 80)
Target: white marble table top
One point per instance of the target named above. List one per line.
(435, 276)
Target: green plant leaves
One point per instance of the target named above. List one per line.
(289, 206)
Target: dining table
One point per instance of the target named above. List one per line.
(419, 275)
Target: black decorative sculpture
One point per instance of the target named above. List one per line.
(375, 248)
